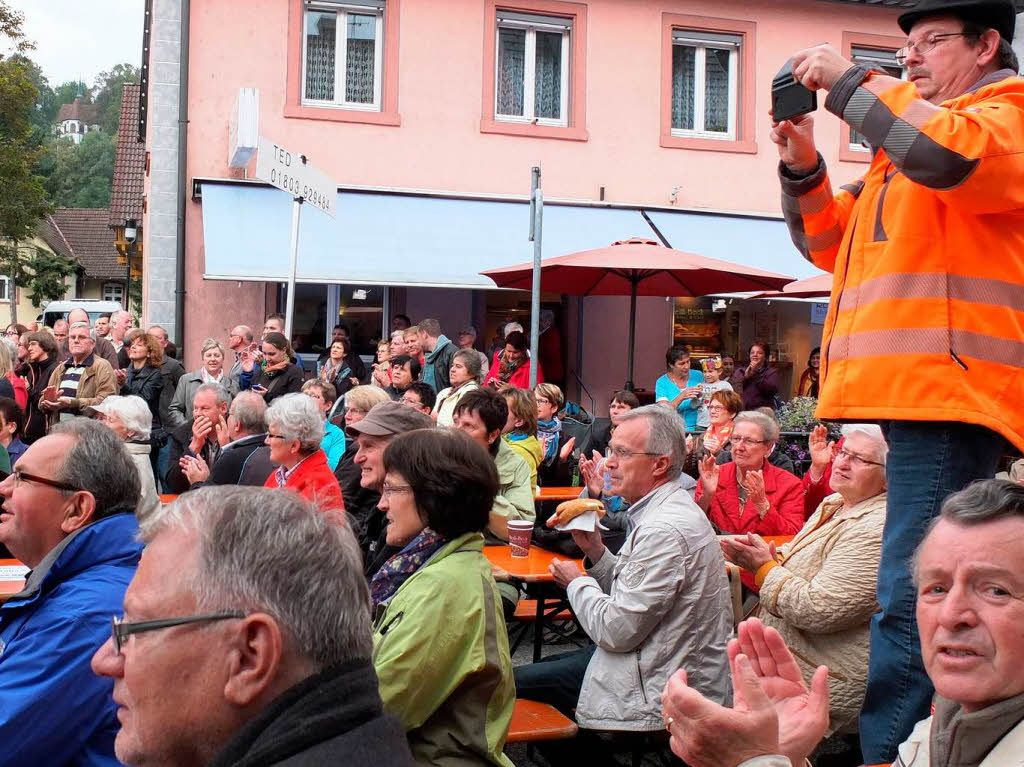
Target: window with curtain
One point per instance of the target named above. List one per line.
(705, 98)
(883, 61)
(343, 55)
(532, 69)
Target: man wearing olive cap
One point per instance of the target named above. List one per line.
(927, 252)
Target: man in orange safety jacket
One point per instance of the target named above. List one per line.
(925, 331)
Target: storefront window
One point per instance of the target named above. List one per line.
(697, 326)
(361, 308)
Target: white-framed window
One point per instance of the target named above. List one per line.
(705, 83)
(884, 61)
(113, 291)
(5, 289)
(356, 82)
(531, 68)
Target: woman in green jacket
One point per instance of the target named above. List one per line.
(440, 643)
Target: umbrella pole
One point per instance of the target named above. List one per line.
(632, 333)
(536, 224)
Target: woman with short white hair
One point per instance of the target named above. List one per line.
(295, 428)
(130, 418)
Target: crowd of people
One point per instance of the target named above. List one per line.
(318, 591)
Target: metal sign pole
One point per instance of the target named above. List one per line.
(536, 230)
(289, 311)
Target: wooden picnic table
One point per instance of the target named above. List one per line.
(532, 569)
(558, 493)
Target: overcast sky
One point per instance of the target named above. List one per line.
(81, 38)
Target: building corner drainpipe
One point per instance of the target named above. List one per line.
(179, 291)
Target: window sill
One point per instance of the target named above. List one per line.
(489, 125)
(743, 146)
(342, 115)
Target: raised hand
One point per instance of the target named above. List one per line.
(221, 427)
(705, 734)
(194, 469)
(709, 473)
(795, 141)
(591, 476)
(820, 449)
(754, 483)
(567, 449)
(802, 712)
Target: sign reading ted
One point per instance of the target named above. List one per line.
(289, 172)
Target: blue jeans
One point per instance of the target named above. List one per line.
(927, 461)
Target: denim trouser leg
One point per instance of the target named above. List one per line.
(927, 461)
(555, 680)
(162, 460)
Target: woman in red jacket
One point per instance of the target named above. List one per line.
(511, 365)
(749, 494)
(295, 429)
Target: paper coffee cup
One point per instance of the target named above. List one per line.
(520, 532)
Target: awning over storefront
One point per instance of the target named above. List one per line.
(762, 243)
(425, 240)
(391, 239)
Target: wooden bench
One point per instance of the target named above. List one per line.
(533, 722)
(526, 611)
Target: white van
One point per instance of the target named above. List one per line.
(59, 310)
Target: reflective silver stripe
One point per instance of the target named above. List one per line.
(939, 341)
(830, 238)
(924, 285)
(795, 223)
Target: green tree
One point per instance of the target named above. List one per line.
(22, 197)
(109, 88)
(79, 176)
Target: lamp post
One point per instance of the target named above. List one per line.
(131, 233)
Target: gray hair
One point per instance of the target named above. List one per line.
(133, 412)
(471, 360)
(99, 463)
(116, 315)
(873, 432)
(769, 428)
(984, 500)
(400, 334)
(211, 343)
(431, 327)
(295, 416)
(667, 435)
(223, 395)
(272, 552)
(250, 410)
(510, 327)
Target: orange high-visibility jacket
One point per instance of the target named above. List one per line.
(926, 321)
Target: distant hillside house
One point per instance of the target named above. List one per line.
(76, 119)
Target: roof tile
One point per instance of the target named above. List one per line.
(83, 234)
(129, 163)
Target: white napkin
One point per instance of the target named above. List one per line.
(586, 521)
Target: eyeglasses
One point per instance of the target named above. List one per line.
(23, 476)
(619, 453)
(389, 490)
(120, 630)
(716, 407)
(857, 460)
(274, 436)
(925, 46)
(747, 441)
(11, 333)
(355, 410)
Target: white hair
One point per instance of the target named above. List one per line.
(873, 432)
(296, 416)
(133, 412)
(769, 428)
(666, 435)
(511, 327)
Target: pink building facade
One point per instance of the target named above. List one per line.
(648, 118)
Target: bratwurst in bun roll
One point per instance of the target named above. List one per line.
(569, 510)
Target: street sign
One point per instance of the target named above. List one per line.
(290, 172)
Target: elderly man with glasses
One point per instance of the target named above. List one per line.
(81, 380)
(223, 659)
(68, 514)
(662, 602)
(819, 589)
(926, 252)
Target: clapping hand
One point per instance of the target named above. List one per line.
(567, 449)
(754, 484)
(802, 712)
(748, 551)
(706, 734)
(590, 475)
(194, 469)
(709, 473)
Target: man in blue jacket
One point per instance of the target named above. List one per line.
(68, 514)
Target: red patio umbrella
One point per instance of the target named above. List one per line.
(819, 286)
(637, 267)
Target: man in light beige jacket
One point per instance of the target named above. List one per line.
(818, 590)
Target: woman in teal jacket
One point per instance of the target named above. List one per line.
(440, 644)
